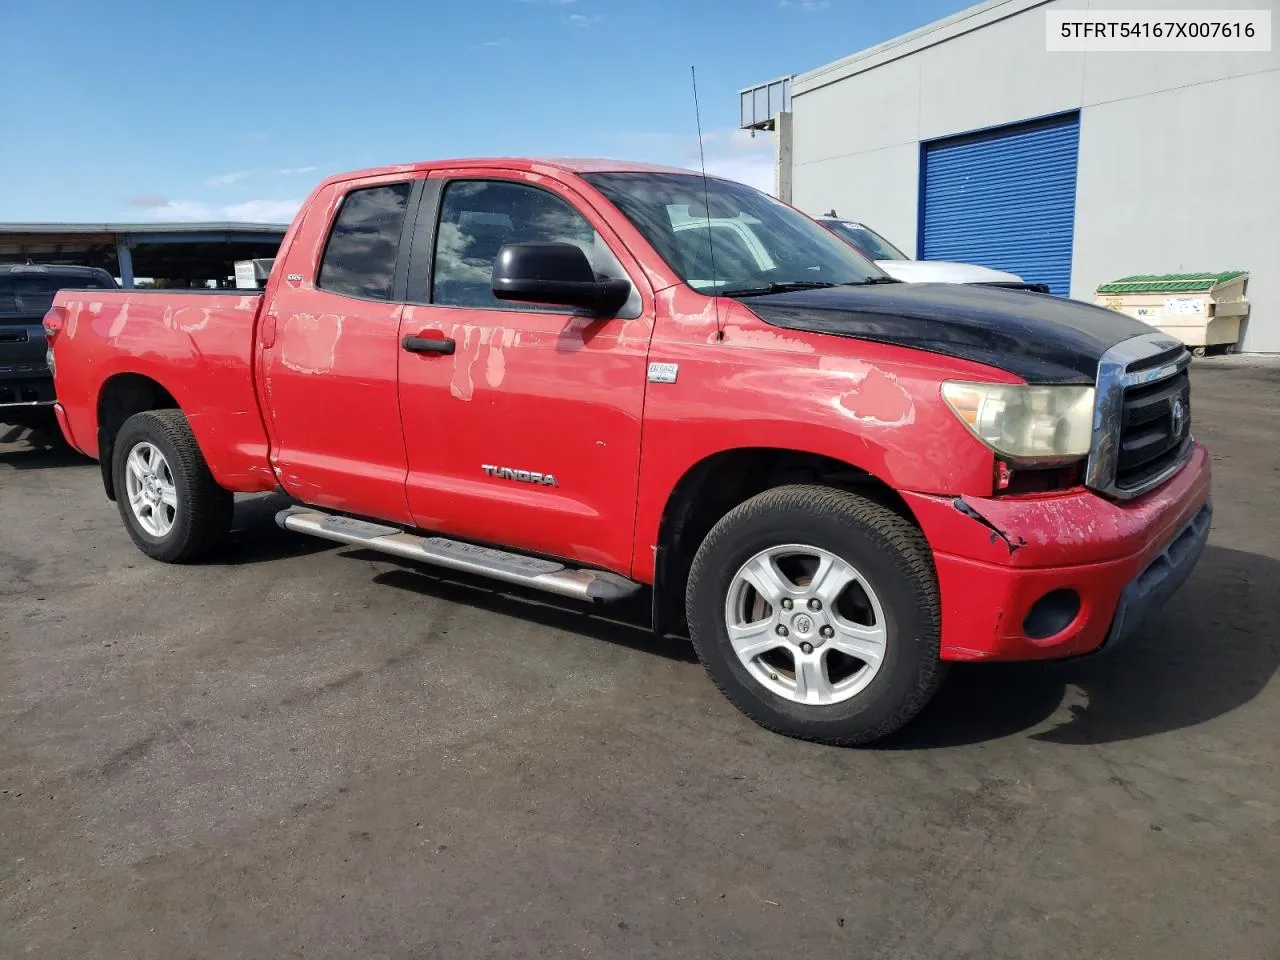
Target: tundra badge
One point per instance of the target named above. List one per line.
(524, 476)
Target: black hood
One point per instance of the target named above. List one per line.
(1040, 338)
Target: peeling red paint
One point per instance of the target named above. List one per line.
(880, 400)
(200, 362)
(309, 343)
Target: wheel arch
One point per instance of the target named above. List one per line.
(714, 485)
(121, 396)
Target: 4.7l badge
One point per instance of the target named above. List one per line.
(524, 476)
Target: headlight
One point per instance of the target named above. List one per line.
(1023, 422)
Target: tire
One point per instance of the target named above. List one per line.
(199, 517)
(894, 594)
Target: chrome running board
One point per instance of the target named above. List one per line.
(546, 575)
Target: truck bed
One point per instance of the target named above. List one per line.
(196, 345)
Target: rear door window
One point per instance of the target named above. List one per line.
(360, 256)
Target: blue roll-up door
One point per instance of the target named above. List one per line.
(1004, 198)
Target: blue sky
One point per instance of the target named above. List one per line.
(173, 110)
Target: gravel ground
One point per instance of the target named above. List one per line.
(305, 751)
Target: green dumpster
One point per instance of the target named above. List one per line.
(1201, 309)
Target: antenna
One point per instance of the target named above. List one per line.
(706, 202)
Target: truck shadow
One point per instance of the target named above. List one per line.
(255, 537)
(1213, 649)
(625, 624)
(23, 448)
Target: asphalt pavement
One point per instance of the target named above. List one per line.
(301, 750)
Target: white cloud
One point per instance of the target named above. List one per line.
(808, 6)
(292, 171)
(266, 211)
(227, 179)
(582, 19)
(176, 210)
(736, 155)
(188, 211)
(490, 44)
(753, 172)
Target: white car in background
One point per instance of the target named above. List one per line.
(901, 267)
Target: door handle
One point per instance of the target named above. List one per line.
(428, 344)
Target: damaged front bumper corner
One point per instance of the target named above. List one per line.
(1062, 575)
(1160, 579)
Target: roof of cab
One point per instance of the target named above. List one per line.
(576, 165)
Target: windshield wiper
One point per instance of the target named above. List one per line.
(871, 280)
(779, 288)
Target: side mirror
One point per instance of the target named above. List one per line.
(555, 273)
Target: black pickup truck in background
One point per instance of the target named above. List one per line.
(26, 293)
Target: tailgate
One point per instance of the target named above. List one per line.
(22, 347)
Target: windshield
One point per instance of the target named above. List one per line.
(32, 294)
(868, 242)
(724, 237)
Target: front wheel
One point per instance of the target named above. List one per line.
(816, 612)
(172, 507)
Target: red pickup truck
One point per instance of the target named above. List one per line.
(591, 377)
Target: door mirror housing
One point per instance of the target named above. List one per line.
(555, 273)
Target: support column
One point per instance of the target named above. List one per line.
(782, 156)
(124, 254)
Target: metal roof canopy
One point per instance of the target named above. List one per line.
(173, 251)
(758, 105)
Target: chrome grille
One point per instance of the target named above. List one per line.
(1142, 416)
(1155, 429)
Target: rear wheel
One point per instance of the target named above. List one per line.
(172, 507)
(816, 612)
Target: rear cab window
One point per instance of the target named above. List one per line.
(360, 255)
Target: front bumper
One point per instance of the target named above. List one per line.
(1160, 579)
(997, 558)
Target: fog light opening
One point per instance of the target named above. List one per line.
(1051, 614)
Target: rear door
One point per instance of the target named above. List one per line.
(329, 349)
(527, 434)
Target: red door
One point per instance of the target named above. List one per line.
(528, 433)
(330, 349)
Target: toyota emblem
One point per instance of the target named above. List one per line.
(1179, 417)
